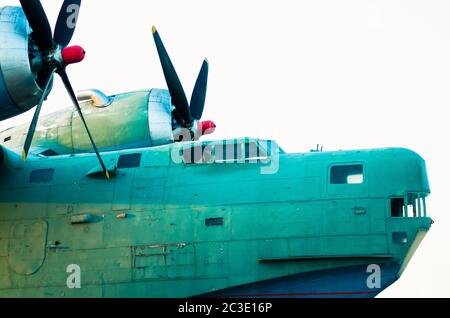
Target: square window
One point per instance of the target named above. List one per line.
(400, 237)
(129, 161)
(41, 176)
(348, 174)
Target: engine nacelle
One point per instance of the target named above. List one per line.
(19, 90)
(131, 120)
(125, 121)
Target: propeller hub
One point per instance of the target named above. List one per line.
(207, 127)
(73, 54)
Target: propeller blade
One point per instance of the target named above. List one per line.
(67, 21)
(66, 81)
(42, 32)
(179, 99)
(199, 94)
(32, 129)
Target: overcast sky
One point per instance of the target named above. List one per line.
(345, 74)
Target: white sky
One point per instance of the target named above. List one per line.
(345, 74)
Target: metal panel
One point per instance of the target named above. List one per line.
(170, 261)
(123, 190)
(148, 194)
(160, 117)
(27, 246)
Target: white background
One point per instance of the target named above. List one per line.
(345, 74)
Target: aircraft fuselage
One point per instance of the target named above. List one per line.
(320, 224)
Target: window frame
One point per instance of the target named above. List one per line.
(240, 152)
(191, 148)
(333, 165)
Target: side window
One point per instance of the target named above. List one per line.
(197, 155)
(397, 207)
(41, 176)
(129, 161)
(253, 151)
(347, 174)
(229, 152)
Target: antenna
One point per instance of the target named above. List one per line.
(319, 148)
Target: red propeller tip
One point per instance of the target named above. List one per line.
(73, 54)
(207, 127)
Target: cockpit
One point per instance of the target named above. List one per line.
(413, 204)
(229, 151)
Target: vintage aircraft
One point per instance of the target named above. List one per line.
(179, 217)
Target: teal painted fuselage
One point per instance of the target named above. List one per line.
(167, 225)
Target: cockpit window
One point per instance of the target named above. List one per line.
(347, 174)
(411, 205)
(129, 161)
(253, 151)
(197, 155)
(228, 152)
(237, 151)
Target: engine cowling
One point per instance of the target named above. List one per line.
(19, 88)
(130, 120)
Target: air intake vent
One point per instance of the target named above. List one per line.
(96, 97)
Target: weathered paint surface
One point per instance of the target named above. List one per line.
(64, 133)
(168, 229)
